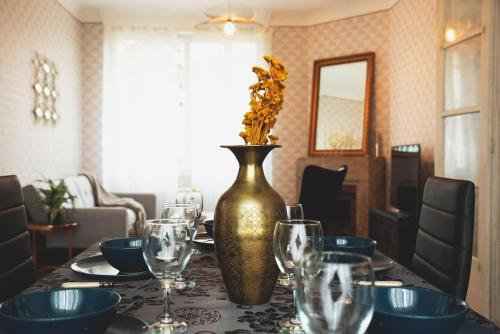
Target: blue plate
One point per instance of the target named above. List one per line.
(97, 267)
(350, 244)
(60, 311)
(124, 254)
(416, 311)
(204, 242)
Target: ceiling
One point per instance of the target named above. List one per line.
(272, 12)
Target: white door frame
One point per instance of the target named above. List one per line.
(495, 164)
(483, 287)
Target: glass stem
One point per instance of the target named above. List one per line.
(295, 319)
(165, 317)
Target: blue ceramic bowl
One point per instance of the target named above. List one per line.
(209, 227)
(350, 244)
(124, 254)
(60, 311)
(416, 311)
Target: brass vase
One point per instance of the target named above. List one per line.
(244, 222)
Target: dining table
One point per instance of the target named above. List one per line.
(206, 308)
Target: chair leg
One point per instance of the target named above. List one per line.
(33, 248)
(70, 245)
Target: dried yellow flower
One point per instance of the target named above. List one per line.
(266, 101)
(274, 139)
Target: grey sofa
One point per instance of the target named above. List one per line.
(94, 222)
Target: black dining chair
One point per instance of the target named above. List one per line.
(443, 249)
(17, 271)
(319, 189)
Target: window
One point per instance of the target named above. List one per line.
(170, 101)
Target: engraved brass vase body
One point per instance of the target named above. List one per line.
(245, 217)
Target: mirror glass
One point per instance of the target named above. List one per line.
(341, 106)
(341, 93)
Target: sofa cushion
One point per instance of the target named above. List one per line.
(131, 218)
(81, 188)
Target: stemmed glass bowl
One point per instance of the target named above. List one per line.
(166, 250)
(190, 213)
(191, 197)
(335, 293)
(292, 240)
(293, 211)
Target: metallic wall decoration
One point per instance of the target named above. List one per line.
(244, 226)
(44, 86)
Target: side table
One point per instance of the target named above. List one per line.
(66, 227)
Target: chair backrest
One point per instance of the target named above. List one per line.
(319, 189)
(443, 250)
(17, 271)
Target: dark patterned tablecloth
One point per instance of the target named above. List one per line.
(206, 308)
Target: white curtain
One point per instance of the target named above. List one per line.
(170, 101)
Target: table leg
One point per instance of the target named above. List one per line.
(33, 247)
(70, 245)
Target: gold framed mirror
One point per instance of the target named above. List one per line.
(340, 105)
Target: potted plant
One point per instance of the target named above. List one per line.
(54, 197)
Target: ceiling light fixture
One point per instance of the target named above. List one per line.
(229, 19)
(229, 28)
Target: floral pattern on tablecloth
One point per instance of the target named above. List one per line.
(207, 309)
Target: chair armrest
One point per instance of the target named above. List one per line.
(147, 200)
(96, 223)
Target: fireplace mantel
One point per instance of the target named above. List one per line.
(365, 174)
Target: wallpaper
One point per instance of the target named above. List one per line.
(91, 46)
(298, 47)
(291, 45)
(403, 105)
(27, 148)
(413, 75)
(339, 123)
(404, 96)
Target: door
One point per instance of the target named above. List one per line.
(464, 126)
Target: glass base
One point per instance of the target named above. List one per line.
(291, 327)
(181, 283)
(174, 327)
(283, 280)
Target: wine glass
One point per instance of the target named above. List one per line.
(187, 212)
(182, 211)
(166, 250)
(195, 198)
(293, 211)
(293, 239)
(191, 197)
(335, 293)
